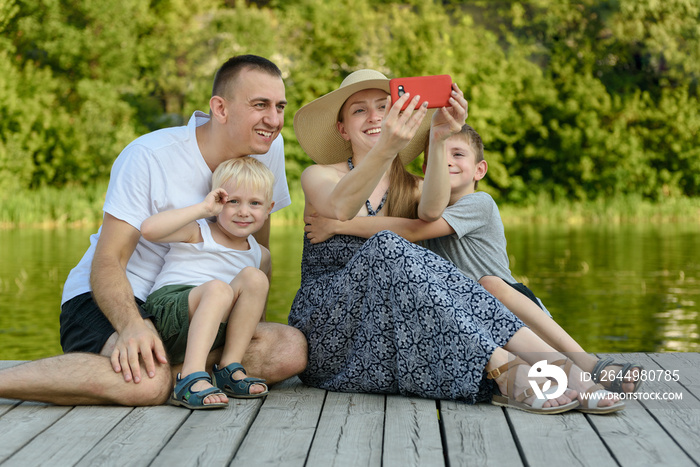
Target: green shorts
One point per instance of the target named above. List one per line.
(170, 309)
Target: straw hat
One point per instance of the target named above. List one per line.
(315, 123)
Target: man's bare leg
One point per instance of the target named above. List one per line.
(276, 352)
(82, 379)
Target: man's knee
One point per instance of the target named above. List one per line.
(151, 391)
(293, 343)
(279, 350)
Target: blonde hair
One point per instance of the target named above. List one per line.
(404, 195)
(247, 172)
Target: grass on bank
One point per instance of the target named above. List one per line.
(81, 206)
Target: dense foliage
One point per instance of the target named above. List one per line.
(575, 100)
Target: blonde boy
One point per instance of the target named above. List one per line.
(213, 287)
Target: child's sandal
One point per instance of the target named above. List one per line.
(237, 388)
(185, 397)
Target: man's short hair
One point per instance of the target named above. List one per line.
(230, 70)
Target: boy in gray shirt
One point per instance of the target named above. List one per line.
(477, 243)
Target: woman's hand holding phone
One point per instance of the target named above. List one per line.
(399, 126)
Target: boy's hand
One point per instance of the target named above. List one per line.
(214, 202)
(450, 120)
(318, 228)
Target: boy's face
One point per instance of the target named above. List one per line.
(464, 170)
(245, 212)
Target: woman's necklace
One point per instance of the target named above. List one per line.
(370, 211)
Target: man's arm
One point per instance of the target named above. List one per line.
(266, 267)
(319, 229)
(262, 236)
(114, 295)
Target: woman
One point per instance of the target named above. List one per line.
(383, 315)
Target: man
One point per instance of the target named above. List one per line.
(113, 352)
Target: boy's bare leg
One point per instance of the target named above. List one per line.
(545, 327)
(82, 379)
(250, 288)
(275, 353)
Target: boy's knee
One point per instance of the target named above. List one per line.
(218, 287)
(254, 278)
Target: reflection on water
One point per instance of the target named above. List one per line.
(615, 289)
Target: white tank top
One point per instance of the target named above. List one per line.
(197, 263)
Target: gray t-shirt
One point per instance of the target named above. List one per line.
(478, 246)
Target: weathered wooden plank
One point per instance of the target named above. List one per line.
(679, 417)
(633, 436)
(350, 431)
(210, 437)
(6, 405)
(138, 438)
(686, 365)
(25, 421)
(477, 435)
(70, 438)
(412, 433)
(355, 429)
(565, 439)
(284, 428)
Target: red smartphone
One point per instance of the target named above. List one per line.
(435, 89)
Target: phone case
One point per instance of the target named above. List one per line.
(435, 89)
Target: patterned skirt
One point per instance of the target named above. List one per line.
(387, 316)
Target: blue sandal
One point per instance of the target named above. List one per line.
(616, 378)
(183, 395)
(237, 388)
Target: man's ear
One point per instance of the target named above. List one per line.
(341, 130)
(217, 104)
(481, 168)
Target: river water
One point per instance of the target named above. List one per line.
(620, 288)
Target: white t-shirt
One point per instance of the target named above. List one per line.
(157, 172)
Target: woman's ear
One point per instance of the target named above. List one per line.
(341, 129)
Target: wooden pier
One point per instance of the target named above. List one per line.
(301, 426)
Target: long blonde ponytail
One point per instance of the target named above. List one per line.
(404, 195)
